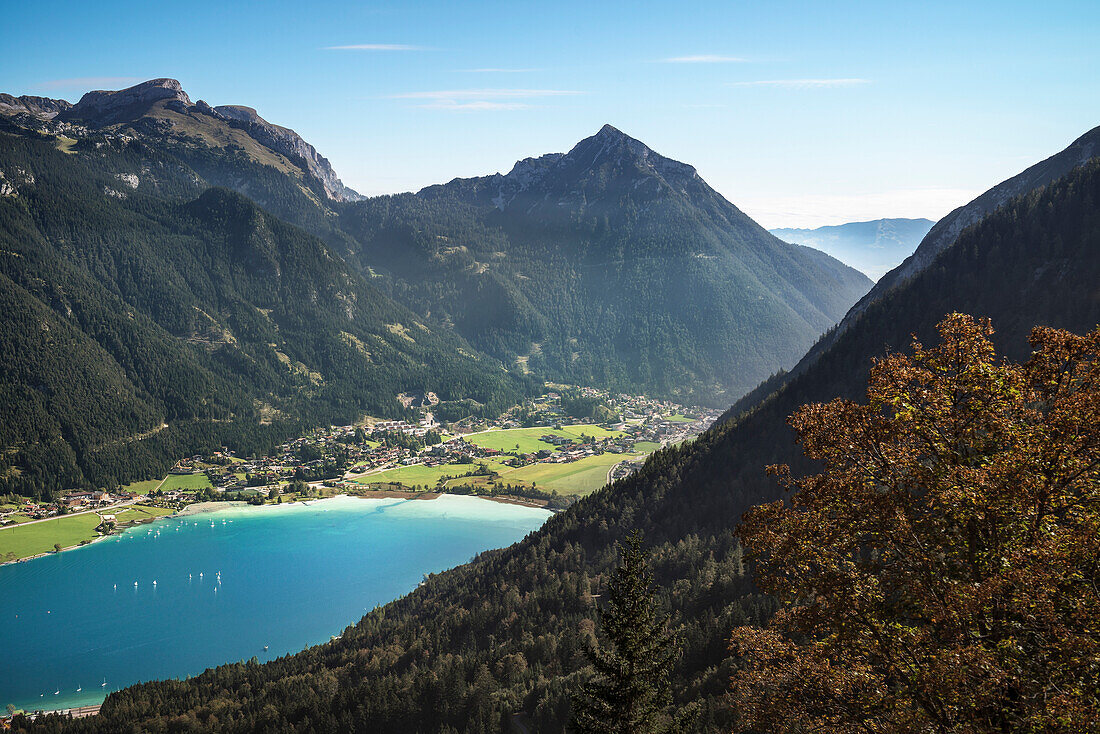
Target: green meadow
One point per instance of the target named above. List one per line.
(185, 481)
(528, 439)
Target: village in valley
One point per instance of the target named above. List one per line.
(548, 451)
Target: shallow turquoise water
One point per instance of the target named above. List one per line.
(290, 576)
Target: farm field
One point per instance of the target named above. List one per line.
(141, 512)
(68, 530)
(143, 487)
(185, 481)
(578, 477)
(528, 441)
(427, 476)
(22, 541)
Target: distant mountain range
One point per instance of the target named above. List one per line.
(502, 639)
(204, 277)
(873, 247)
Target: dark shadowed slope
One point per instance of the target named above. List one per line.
(939, 238)
(608, 265)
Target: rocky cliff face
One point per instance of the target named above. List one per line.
(101, 107)
(289, 143)
(42, 107)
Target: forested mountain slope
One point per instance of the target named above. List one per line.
(607, 265)
(144, 319)
(942, 235)
(504, 634)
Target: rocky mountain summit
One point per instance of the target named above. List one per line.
(591, 178)
(285, 141)
(609, 264)
(160, 107)
(42, 107)
(102, 107)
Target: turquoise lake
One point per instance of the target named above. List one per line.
(228, 583)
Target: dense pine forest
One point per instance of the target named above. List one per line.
(146, 320)
(506, 634)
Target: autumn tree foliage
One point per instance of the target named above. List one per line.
(941, 573)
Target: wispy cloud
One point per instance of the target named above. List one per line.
(803, 83)
(478, 105)
(375, 47)
(493, 70)
(92, 82)
(704, 59)
(475, 100)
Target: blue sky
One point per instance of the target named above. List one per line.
(802, 114)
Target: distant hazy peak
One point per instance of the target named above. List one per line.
(946, 231)
(875, 247)
(879, 225)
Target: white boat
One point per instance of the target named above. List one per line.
(103, 684)
(79, 689)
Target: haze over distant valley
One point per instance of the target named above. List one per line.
(874, 247)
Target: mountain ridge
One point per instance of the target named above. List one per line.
(574, 242)
(99, 109)
(940, 238)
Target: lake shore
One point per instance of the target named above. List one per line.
(199, 508)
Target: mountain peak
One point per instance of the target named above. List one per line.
(105, 107)
(41, 107)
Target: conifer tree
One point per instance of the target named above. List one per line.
(629, 692)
